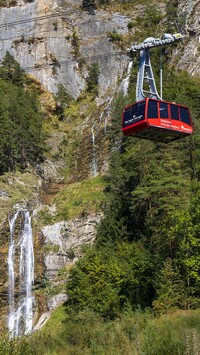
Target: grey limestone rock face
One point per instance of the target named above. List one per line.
(42, 321)
(190, 58)
(39, 34)
(67, 240)
(57, 300)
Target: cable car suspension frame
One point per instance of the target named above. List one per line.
(145, 71)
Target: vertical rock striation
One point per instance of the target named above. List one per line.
(54, 40)
(189, 60)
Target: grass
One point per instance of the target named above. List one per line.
(178, 333)
(18, 187)
(135, 333)
(80, 199)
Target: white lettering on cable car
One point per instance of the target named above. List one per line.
(133, 119)
(165, 125)
(164, 121)
(175, 127)
(186, 129)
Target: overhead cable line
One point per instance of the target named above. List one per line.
(37, 18)
(54, 64)
(31, 35)
(44, 17)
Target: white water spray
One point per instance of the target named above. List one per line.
(96, 127)
(125, 82)
(107, 111)
(100, 118)
(20, 309)
(94, 158)
(11, 275)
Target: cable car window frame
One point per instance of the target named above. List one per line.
(149, 107)
(134, 111)
(162, 103)
(127, 123)
(174, 117)
(143, 105)
(182, 118)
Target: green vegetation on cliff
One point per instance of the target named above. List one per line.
(21, 135)
(80, 199)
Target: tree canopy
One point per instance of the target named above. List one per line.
(147, 247)
(21, 134)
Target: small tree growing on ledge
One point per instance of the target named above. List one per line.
(88, 3)
(93, 78)
(10, 70)
(94, 3)
(62, 98)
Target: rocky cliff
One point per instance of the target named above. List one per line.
(56, 41)
(189, 12)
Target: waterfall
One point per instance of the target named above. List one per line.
(96, 127)
(94, 158)
(107, 110)
(100, 118)
(11, 275)
(21, 250)
(125, 82)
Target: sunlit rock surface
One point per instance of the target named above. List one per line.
(189, 60)
(65, 241)
(55, 41)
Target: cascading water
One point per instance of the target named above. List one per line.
(125, 82)
(11, 275)
(100, 118)
(94, 158)
(21, 250)
(96, 127)
(107, 110)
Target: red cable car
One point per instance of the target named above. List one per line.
(156, 120)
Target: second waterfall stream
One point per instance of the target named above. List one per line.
(20, 274)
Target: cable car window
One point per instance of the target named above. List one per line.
(174, 112)
(152, 109)
(141, 109)
(134, 114)
(185, 115)
(163, 110)
(129, 114)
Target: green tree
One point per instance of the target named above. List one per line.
(93, 78)
(188, 253)
(22, 140)
(62, 98)
(88, 3)
(10, 70)
(162, 191)
(108, 279)
(171, 292)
